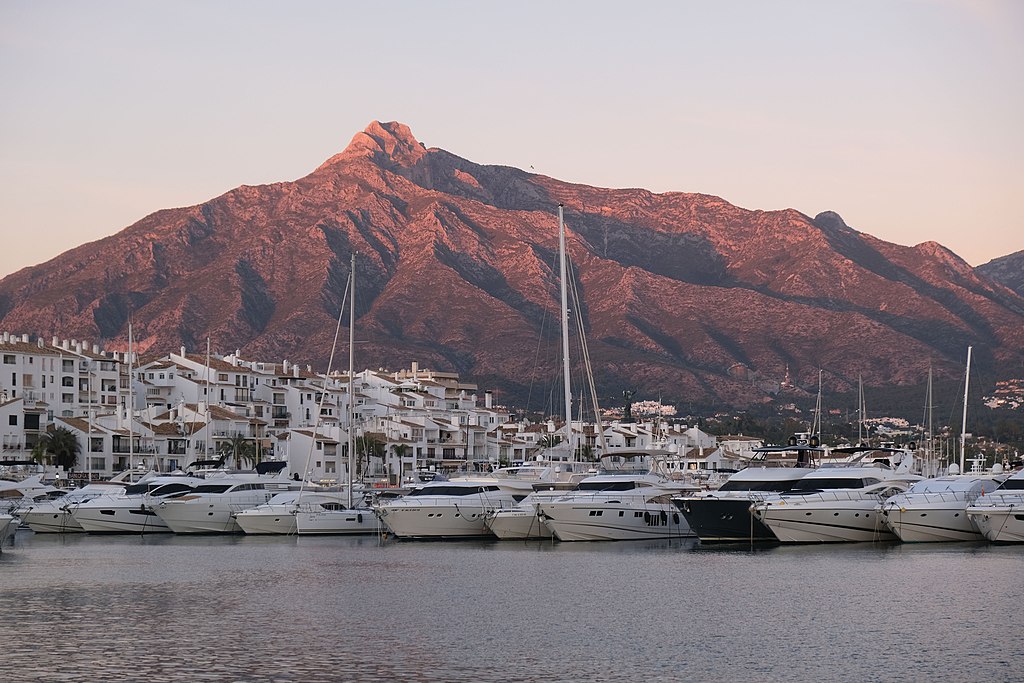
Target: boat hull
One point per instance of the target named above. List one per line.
(612, 522)
(51, 521)
(110, 519)
(849, 522)
(999, 524)
(930, 524)
(435, 521)
(337, 522)
(517, 525)
(723, 520)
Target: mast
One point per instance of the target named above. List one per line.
(206, 404)
(816, 426)
(860, 410)
(565, 334)
(351, 357)
(928, 424)
(963, 426)
(131, 405)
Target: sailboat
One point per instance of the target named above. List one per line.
(522, 520)
(335, 517)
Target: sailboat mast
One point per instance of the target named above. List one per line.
(351, 366)
(928, 434)
(860, 410)
(131, 405)
(565, 334)
(963, 426)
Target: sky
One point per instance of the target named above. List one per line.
(904, 116)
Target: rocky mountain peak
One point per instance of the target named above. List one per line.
(386, 144)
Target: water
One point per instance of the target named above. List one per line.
(245, 608)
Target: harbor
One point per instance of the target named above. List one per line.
(292, 608)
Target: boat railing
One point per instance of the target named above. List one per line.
(1013, 500)
(939, 497)
(820, 496)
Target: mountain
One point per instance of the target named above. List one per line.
(684, 296)
(1006, 270)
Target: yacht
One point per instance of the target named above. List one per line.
(446, 509)
(835, 504)
(999, 515)
(210, 507)
(723, 514)
(130, 511)
(522, 520)
(278, 515)
(336, 518)
(54, 516)
(936, 509)
(629, 500)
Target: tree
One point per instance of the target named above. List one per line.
(241, 448)
(62, 444)
(400, 450)
(367, 446)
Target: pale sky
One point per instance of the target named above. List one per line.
(904, 116)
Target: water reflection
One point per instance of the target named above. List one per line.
(166, 607)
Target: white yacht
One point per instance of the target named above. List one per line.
(522, 520)
(446, 509)
(54, 516)
(629, 500)
(335, 518)
(129, 511)
(936, 509)
(999, 515)
(210, 507)
(278, 515)
(835, 504)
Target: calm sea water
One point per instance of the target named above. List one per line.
(244, 608)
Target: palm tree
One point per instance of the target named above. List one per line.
(549, 441)
(585, 453)
(62, 444)
(240, 448)
(400, 450)
(368, 445)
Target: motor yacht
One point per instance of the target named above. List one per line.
(336, 518)
(278, 515)
(936, 509)
(130, 511)
(835, 504)
(723, 514)
(210, 507)
(446, 509)
(54, 516)
(522, 520)
(999, 515)
(630, 499)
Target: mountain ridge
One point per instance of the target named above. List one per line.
(684, 295)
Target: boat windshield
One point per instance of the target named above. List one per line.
(211, 488)
(1013, 484)
(136, 489)
(756, 486)
(170, 489)
(451, 490)
(830, 483)
(606, 485)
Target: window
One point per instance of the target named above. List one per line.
(13, 420)
(8, 359)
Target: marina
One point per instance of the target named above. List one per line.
(297, 608)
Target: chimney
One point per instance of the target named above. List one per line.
(415, 369)
(487, 399)
(64, 344)
(53, 342)
(182, 354)
(295, 370)
(24, 338)
(96, 349)
(39, 342)
(284, 366)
